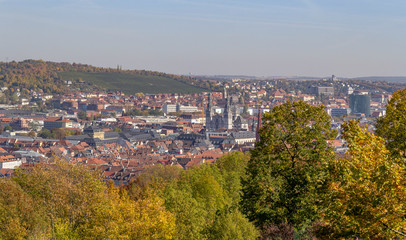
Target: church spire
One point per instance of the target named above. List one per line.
(209, 105)
(228, 115)
(209, 113)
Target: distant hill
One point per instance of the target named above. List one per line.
(399, 79)
(52, 77)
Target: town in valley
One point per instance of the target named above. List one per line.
(122, 134)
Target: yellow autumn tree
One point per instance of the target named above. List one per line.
(77, 204)
(20, 217)
(123, 218)
(368, 191)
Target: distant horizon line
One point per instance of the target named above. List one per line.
(296, 76)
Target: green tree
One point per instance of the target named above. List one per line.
(392, 127)
(117, 130)
(232, 168)
(200, 204)
(287, 173)
(58, 133)
(204, 199)
(202, 189)
(367, 192)
(189, 213)
(45, 133)
(232, 224)
(155, 112)
(82, 115)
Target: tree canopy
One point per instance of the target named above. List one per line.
(69, 201)
(287, 175)
(205, 200)
(392, 126)
(368, 190)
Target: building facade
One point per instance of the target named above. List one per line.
(360, 103)
(230, 119)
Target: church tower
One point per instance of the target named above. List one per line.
(209, 114)
(228, 115)
(225, 95)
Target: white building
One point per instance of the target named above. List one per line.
(181, 108)
(168, 108)
(9, 162)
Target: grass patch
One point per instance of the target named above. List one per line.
(132, 83)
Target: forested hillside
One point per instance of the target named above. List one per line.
(35, 75)
(52, 77)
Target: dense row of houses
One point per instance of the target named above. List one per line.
(195, 129)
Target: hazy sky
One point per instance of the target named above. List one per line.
(347, 38)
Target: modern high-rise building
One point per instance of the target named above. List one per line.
(360, 103)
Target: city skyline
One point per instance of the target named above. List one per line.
(260, 38)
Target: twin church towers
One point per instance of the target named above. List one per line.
(230, 117)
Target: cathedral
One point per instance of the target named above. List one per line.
(230, 119)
